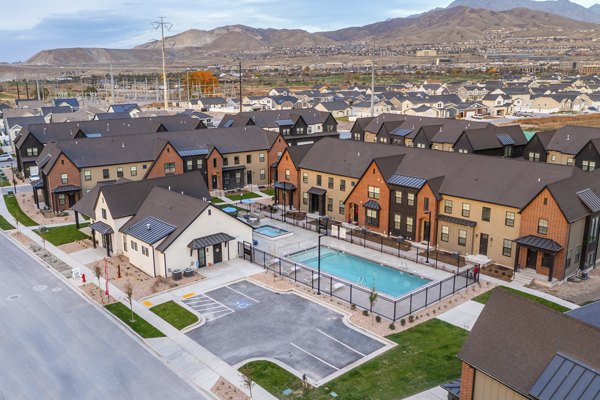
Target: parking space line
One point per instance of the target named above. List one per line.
(207, 308)
(226, 313)
(243, 294)
(342, 343)
(315, 357)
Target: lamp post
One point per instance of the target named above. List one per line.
(428, 235)
(319, 264)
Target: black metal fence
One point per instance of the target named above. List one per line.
(374, 241)
(392, 309)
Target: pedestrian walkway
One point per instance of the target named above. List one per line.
(464, 315)
(437, 393)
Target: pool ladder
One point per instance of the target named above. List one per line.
(361, 281)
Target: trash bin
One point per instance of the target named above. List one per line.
(177, 274)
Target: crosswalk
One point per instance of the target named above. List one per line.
(208, 307)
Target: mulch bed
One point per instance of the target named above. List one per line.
(498, 271)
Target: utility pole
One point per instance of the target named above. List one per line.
(112, 85)
(162, 24)
(373, 80)
(240, 71)
(37, 86)
(187, 83)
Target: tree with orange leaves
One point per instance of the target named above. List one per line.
(204, 81)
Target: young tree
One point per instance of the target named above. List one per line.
(372, 299)
(129, 293)
(246, 372)
(98, 273)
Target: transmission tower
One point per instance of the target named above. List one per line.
(162, 24)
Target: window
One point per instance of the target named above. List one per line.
(569, 256)
(261, 157)
(509, 220)
(214, 163)
(466, 210)
(426, 204)
(120, 172)
(61, 199)
(285, 131)
(445, 233)
(553, 158)
(279, 153)
(330, 183)
(305, 177)
(125, 243)
(199, 163)
(463, 151)
(262, 174)
(134, 245)
(87, 175)
(105, 173)
(169, 168)
(342, 185)
(542, 226)
(287, 174)
(462, 237)
(486, 213)
(104, 213)
(410, 199)
(357, 136)
(506, 248)
(372, 217)
(508, 150)
(304, 198)
(448, 206)
(319, 180)
(144, 166)
(238, 177)
(225, 161)
(420, 145)
(300, 131)
(32, 151)
(342, 208)
(588, 165)
(248, 158)
(373, 192)
(547, 260)
(397, 221)
(236, 160)
(409, 224)
(189, 164)
(64, 178)
(577, 254)
(133, 171)
(569, 161)
(593, 232)
(330, 204)
(534, 156)
(145, 251)
(398, 196)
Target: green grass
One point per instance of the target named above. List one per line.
(15, 210)
(64, 234)
(424, 357)
(484, 297)
(5, 225)
(238, 196)
(216, 200)
(269, 191)
(140, 325)
(174, 314)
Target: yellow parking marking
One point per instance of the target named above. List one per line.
(147, 303)
(188, 295)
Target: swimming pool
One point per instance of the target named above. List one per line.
(271, 231)
(361, 271)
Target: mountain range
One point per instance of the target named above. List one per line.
(461, 21)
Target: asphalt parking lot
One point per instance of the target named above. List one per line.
(246, 321)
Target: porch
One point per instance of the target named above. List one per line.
(538, 254)
(65, 197)
(106, 233)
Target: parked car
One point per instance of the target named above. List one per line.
(6, 157)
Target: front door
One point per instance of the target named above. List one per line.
(71, 199)
(426, 230)
(249, 177)
(483, 244)
(531, 259)
(217, 255)
(214, 182)
(201, 258)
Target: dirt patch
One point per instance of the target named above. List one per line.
(556, 122)
(368, 322)
(97, 294)
(143, 285)
(581, 292)
(28, 206)
(498, 272)
(224, 390)
(76, 246)
(23, 239)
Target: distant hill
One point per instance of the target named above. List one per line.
(563, 8)
(449, 25)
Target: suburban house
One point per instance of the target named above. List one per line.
(506, 141)
(563, 145)
(299, 126)
(504, 358)
(67, 102)
(14, 125)
(337, 108)
(208, 103)
(126, 108)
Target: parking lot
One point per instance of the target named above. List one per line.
(246, 321)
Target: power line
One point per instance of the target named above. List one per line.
(162, 24)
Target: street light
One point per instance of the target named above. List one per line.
(319, 264)
(428, 236)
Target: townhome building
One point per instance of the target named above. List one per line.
(563, 146)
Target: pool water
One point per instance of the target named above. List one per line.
(361, 271)
(270, 231)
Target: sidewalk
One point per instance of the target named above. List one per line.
(194, 362)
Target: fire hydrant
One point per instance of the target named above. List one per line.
(83, 278)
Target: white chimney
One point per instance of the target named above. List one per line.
(169, 188)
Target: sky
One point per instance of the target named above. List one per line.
(34, 25)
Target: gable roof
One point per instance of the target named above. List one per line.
(269, 118)
(571, 139)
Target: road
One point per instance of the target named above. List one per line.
(56, 345)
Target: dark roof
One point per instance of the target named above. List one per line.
(123, 107)
(149, 230)
(372, 204)
(571, 139)
(317, 191)
(540, 243)
(56, 110)
(453, 387)
(406, 181)
(66, 189)
(87, 203)
(336, 105)
(455, 220)
(514, 340)
(101, 227)
(590, 314)
(567, 192)
(210, 240)
(111, 116)
(268, 119)
(567, 378)
(284, 186)
(493, 137)
(590, 199)
(297, 153)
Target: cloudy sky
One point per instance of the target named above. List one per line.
(32, 25)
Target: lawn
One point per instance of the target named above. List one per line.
(238, 196)
(484, 297)
(216, 200)
(5, 225)
(425, 357)
(64, 234)
(15, 210)
(140, 325)
(174, 314)
(269, 191)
